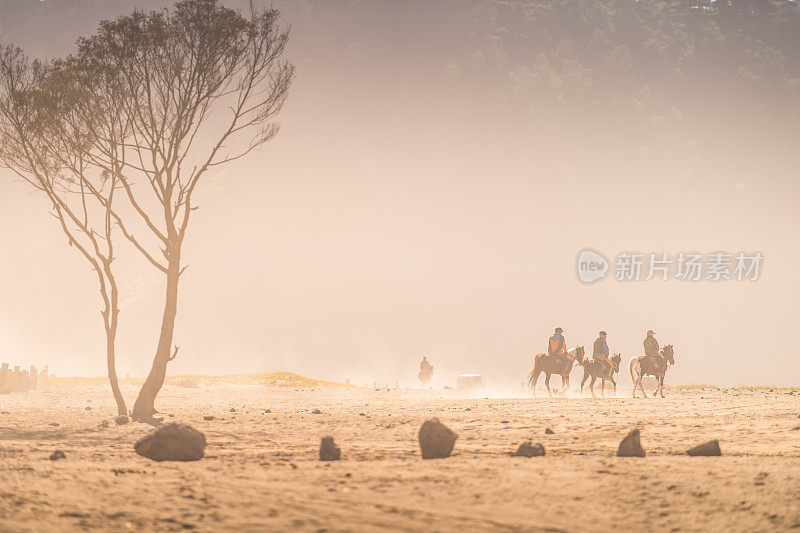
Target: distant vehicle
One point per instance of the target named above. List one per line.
(469, 381)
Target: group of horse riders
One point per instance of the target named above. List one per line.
(557, 347)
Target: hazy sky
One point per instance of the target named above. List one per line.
(408, 207)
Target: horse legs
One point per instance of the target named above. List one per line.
(535, 379)
(661, 385)
(591, 386)
(547, 383)
(585, 377)
(615, 385)
(603, 389)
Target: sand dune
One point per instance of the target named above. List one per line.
(261, 470)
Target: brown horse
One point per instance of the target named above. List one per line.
(652, 366)
(596, 369)
(550, 364)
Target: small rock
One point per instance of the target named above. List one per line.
(707, 449)
(436, 440)
(316, 412)
(121, 420)
(526, 449)
(4, 413)
(328, 450)
(173, 442)
(504, 421)
(56, 455)
(267, 411)
(362, 414)
(796, 428)
(104, 424)
(87, 408)
(631, 446)
(54, 424)
(549, 431)
(208, 417)
(233, 409)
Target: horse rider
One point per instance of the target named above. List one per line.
(600, 353)
(425, 369)
(650, 345)
(557, 346)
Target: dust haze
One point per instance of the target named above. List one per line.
(438, 169)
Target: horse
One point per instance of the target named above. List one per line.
(652, 366)
(596, 369)
(425, 372)
(550, 364)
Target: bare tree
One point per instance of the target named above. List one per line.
(170, 95)
(34, 147)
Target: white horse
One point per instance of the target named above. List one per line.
(550, 364)
(649, 366)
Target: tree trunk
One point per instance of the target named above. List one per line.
(111, 322)
(144, 408)
(111, 335)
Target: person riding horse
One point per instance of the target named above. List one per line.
(600, 353)
(650, 344)
(651, 349)
(425, 370)
(557, 347)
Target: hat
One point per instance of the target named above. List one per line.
(559, 330)
(603, 333)
(651, 332)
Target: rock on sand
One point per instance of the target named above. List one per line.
(328, 450)
(707, 449)
(436, 440)
(172, 442)
(631, 446)
(526, 449)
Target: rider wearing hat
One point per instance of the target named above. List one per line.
(557, 346)
(600, 351)
(650, 344)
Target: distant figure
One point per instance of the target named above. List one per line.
(557, 346)
(650, 344)
(600, 353)
(425, 371)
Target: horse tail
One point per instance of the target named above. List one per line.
(635, 368)
(532, 373)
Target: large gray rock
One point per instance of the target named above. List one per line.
(707, 449)
(526, 449)
(172, 442)
(631, 445)
(436, 440)
(328, 450)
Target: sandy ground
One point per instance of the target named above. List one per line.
(261, 471)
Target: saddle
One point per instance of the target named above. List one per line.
(653, 364)
(560, 358)
(606, 366)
